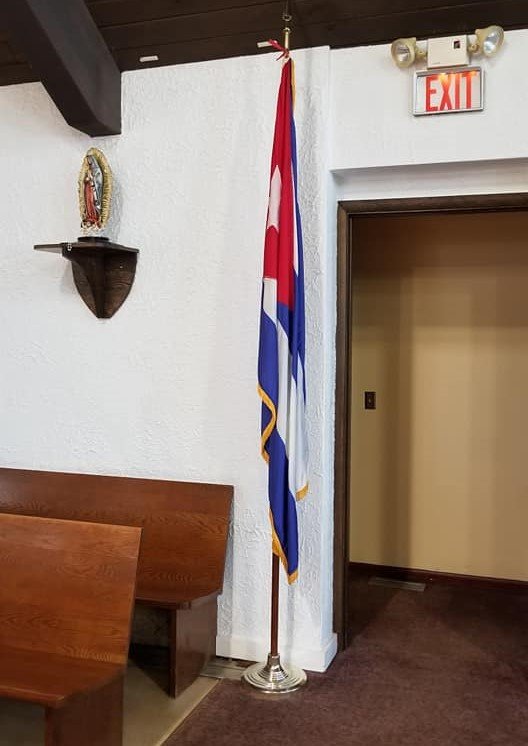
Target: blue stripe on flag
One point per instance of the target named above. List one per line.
(282, 502)
(268, 369)
(299, 278)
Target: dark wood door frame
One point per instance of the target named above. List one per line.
(346, 214)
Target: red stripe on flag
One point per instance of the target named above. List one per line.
(279, 245)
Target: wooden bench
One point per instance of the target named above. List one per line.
(66, 599)
(181, 563)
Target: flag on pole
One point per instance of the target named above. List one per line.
(281, 370)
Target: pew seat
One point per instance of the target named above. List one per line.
(183, 545)
(48, 679)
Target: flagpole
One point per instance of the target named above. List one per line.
(287, 17)
(275, 570)
(273, 677)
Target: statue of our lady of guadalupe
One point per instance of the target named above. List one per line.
(95, 191)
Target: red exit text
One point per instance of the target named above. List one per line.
(452, 91)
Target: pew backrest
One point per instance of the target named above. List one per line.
(184, 524)
(67, 587)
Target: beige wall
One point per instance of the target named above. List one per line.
(440, 331)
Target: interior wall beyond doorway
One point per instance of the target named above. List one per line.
(440, 332)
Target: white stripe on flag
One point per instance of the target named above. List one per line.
(290, 416)
(295, 245)
(269, 299)
(290, 406)
(275, 199)
(300, 475)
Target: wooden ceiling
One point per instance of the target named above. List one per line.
(192, 30)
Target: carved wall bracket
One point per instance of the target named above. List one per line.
(103, 271)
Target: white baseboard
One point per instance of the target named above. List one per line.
(247, 649)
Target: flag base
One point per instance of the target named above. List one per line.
(274, 678)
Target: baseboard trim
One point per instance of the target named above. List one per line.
(434, 576)
(251, 650)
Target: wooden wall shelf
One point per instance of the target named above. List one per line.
(103, 271)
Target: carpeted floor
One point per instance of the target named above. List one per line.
(447, 667)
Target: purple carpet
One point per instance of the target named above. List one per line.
(447, 667)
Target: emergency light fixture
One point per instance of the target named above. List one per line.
(449, 51)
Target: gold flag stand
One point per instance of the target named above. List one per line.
(273, 677)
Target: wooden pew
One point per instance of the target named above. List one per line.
(181, 563)
(66, 598)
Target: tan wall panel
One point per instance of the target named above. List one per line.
(440, 331)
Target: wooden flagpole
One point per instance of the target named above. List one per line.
(275, 561)
(275, 570)
(273, 677)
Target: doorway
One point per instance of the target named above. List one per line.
(400, 268)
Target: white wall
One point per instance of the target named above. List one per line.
(379, 150)
(167, 388)
(371, 118)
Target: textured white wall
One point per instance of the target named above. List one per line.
(372, 124)
(167, 388)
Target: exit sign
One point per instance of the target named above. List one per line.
(448, 91)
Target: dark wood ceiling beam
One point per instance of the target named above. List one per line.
(426, 24)
(6, 54)
(123, 12)
(130, 30)
(119, 12)
(68, 54)
(179, 31)
(317, 22)
(344, 33)
(17, 73)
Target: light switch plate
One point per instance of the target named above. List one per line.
(450, 51)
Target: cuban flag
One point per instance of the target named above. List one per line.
(281, 370)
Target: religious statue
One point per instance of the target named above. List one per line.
(95, 191)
